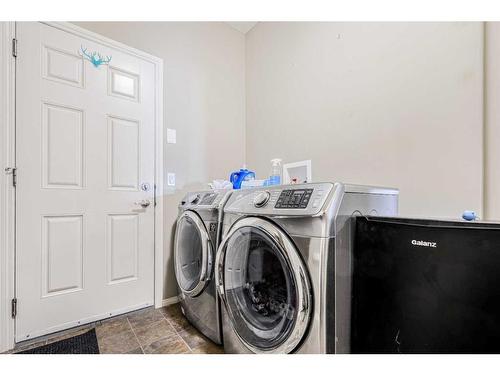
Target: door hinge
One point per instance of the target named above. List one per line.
(14, 308)
(14, 47)
(13, 172)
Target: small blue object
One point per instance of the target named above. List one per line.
(243, 174)
(469, 215)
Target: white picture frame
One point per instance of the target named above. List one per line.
(297, 173)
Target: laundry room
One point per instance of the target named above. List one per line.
(205, 183)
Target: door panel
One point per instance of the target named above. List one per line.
(260, 289)
(62, 146)
(62, 254)
(123, 84)
(85, 143)
(122, 249)
(62, 66)
(124, 156)
(192, 254)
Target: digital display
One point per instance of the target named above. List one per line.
(294, 198)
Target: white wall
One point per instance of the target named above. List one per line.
(492, 121)
(204, 100)
(397, 104)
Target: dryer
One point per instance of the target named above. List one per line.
(197, 236)
(283, 268)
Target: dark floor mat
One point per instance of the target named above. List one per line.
(85, 343)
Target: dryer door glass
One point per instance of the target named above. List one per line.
(260, 289)
(191, 253)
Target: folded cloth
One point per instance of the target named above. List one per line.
(252, 184)
(220, 184)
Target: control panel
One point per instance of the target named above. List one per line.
(208, 199)
(294, 198)
(204, 199)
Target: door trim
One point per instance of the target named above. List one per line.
(7, 192)
(7, 159)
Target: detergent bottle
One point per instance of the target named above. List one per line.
(238, 177)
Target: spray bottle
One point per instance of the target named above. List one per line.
(275, 177)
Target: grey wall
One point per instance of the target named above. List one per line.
(398, 104)
(204, 100)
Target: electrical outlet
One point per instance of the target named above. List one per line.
(171, 136)
(171, 179)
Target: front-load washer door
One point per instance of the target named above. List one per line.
(192, 254)
(264, 285)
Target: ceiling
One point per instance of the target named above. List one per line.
(242, 27)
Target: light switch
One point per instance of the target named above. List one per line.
(171, 179)
(171, 136)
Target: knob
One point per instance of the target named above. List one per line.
(261, 199)
(144, 203)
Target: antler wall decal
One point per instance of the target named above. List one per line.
(95, 58)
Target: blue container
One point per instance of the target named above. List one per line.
(243, 174)
(469, 216)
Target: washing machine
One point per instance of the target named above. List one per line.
(283, 268)
(197, 235)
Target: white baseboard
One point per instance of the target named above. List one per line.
(170, 301)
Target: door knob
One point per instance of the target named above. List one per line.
(143, 203)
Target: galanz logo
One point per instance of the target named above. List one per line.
(423, 243)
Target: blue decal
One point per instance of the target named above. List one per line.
(95, 58)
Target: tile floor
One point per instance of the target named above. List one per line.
(147, 331)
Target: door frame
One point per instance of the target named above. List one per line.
(7, 159)
(7, 192)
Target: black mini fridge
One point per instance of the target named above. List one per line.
(425, 286)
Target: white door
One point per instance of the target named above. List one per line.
(85, 159)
